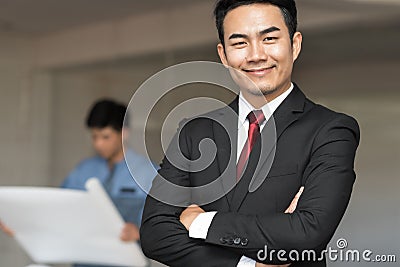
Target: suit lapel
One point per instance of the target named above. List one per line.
(225, 137)
(262, 155)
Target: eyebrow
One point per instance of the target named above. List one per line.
(240, 35)
(270, 29)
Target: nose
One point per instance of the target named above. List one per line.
(97, 144)
(256, 52)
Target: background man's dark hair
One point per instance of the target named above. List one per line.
(287, 7)
(106, 113)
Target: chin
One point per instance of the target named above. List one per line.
(106, 157)
(269, 91)
(263, 91)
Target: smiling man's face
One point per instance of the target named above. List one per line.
(258, 45)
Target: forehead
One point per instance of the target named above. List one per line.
(253, 17)
(103, 131)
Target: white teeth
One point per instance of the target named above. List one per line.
(254, 70)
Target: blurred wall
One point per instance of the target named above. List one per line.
(25, 130)
(48, 84)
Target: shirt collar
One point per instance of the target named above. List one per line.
(268, 109)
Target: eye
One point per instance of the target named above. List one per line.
(239, 44)
(270, 39)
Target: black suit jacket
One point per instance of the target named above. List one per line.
(314, 147)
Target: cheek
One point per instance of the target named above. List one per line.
(279, 53)
(109, 145)
(116, 143)
(236, 57)
(98, 144)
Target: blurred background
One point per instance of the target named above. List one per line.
(58, 57)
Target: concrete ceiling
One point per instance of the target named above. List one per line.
(44, 16)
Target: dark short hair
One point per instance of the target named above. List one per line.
(106, 113)
(287, 7)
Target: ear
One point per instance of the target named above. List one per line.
(297, 40)
(221, 54)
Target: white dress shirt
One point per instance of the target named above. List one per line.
(200, 225)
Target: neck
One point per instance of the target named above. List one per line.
(117, 157)
(257, 101)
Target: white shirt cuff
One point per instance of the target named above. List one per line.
(246, 262)
(200, 225)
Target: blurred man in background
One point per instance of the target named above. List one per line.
(105, 123)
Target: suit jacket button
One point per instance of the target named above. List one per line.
(229, 241)
(222, 240)
(244, 242)
(237, 240)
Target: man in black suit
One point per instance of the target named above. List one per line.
(303, 145)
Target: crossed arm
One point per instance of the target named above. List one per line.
(328, 180)
(193, 211)
(166, 238)
(190, 213)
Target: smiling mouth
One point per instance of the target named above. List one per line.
(259, 71)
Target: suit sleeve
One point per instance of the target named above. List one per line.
(163, 237)
(328, 181)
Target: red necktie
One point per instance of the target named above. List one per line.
(255, 118)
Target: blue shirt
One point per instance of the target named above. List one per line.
(124, 191)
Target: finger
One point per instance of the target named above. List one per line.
(193, 208)
(9, 232)
(189, 209)
(122, 236)
(125, 235)
(289, 209)
(6, 230)
(297, 196)
(293, 205)
(300, 192)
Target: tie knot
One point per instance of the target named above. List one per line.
(256, 116)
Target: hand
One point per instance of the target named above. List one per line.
(129, 233)
(293, 205)
(189, 215)
(258, 264)
(6, 230)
